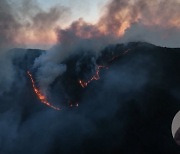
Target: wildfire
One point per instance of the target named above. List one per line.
(84, 84)
(40, 96)
(116, 57)
(94, 77)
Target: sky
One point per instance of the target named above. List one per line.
(86, 9)
(37, 20)
(39, 23)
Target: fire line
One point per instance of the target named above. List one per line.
(94, 77)
(84, 84)
(39, 94)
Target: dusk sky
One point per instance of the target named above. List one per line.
(34, 23)
(89, 10)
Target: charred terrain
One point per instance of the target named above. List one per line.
(121, 100)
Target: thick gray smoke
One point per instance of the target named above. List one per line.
(7, 73)
(25, 21)
(77, 38)
(20, 22)
(166, 37)
(47, 73)
(155, 21)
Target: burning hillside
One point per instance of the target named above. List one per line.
(124, 85)
(82, 70)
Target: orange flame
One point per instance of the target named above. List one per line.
(115, 57)
(95, 77)
(38, 93)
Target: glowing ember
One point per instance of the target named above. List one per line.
(40, 96)
(113, 58)
(125, 52)
(95, 77)
(76, 105)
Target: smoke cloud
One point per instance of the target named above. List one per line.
(121, 14)
(25, 23)
(123, 21)
(47, 73)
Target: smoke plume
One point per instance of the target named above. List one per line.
(21, 24)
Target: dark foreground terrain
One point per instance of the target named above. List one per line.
(127, 110)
